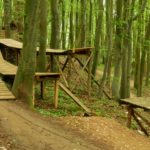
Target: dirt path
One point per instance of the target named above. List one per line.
(27, 130)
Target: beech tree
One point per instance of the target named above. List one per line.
(7, 17)
(24, 80)
(42, 35)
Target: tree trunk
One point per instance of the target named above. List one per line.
(43, 36)
(63, 25)
(55, 30)
(82, 35)
(118, 48)
(7, 17)
(123, 88)
(24, 80)
(143, 57)
(71, 33)
(98, 30)
(109, 25)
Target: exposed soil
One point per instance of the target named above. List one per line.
(24, 129)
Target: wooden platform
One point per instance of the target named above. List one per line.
(13, 44)
(5, 93)
(140, 102)
(132, 104)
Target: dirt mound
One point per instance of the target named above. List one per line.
(29, 131)
(110, 131)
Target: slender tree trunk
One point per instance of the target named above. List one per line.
(83, 24)
(77, 31)
(55, 30)
(98, 30)
(90, 23)
(24, 80)
(123, 88)
(118, 48)
(71, 33)
(18, 16)
(55, 27)
(143, 57)
(148, 67)
(43, 36)
(109, 12)
(63, 25)
(7, 17)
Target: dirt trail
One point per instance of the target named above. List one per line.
(31, 131)
(28, 130)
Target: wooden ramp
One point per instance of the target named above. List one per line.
(5, 94)
(7, 68)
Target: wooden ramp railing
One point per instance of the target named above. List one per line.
(5, 93)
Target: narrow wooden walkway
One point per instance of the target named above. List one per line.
(6, 68)
(5, 93)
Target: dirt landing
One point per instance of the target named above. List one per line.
(30, 131)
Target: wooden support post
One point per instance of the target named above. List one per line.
(61, 71)
(89, 75)
(42, 89)
(129, 117)
(33, 103)
(65, 64)
(56, 88)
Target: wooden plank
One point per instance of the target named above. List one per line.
(11, 43)
(67, 91)
(7, 97)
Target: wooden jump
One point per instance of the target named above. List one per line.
(70, 53)
(5, 93)
(132, 104)
(8, 69)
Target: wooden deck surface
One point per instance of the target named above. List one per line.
(10, 43)
(5, 93)
(141, 102)
(7, 68)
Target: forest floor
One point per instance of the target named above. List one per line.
(66, 128)
(25, 129)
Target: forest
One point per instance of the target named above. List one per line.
(97, 52)
(118, 30)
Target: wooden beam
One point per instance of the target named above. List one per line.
(145, 120)
(141, 126)
(93, 78)
(67, 91)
